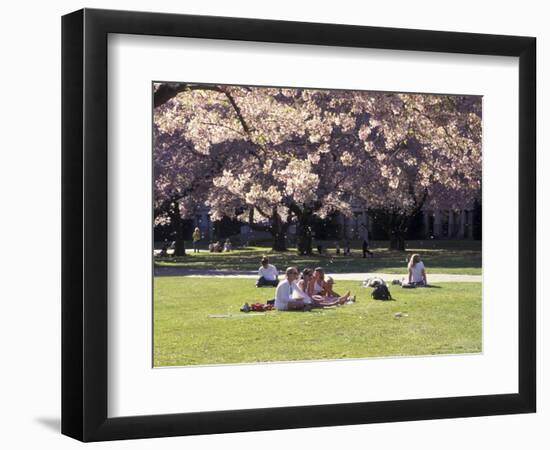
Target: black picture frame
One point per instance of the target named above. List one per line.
(84, 224)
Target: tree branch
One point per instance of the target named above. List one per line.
(257, 226)
(238, 112)
(168, 91)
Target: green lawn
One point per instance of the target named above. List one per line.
(451, 257)
(441, 320)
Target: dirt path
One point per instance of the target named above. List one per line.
(432, 277)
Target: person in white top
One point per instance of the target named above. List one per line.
(417, 271)
(268, 274)
(285, 299)
(318, 281)
(304, 287)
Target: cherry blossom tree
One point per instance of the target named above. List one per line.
(183, 171)
(182, 176)
(272, 156)
(289, 168)
(426, 153)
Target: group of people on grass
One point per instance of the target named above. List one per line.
(308, 290)
(312, 289)
(213, 247)
(218, 247)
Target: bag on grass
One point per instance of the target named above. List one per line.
(381, 292)
(373, 282)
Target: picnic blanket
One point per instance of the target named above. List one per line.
(257, 307)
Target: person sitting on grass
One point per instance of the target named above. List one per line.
(317, 281)
(417, 271)
(227, 247)
(333, 298)
(268, 275)
(285, 299)
(322, 293)
(304, 286)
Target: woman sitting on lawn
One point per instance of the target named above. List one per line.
(304, 286)
(321, 290)
(330, 294)
(417, 271)
(317, 281)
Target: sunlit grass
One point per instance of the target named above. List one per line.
(440, 320)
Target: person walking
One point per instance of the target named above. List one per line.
(366, 250)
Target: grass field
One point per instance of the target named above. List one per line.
(441, 320)
(450, 257)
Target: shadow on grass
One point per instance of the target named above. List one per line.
(466, 259)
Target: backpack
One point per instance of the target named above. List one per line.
(381, 292)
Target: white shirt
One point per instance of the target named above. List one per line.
(283, 295)
(317, 288)
(298, 293)
(269, 273)
(416, 272)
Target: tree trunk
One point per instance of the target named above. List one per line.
(395, 225)
(179, 249)
(279, 242)
(397, 241)
(276, 228)
(278, 231)
(400, 225)
(304, 236)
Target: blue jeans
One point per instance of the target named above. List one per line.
(414, 284)
(263, 282)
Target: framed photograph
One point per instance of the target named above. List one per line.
(273, 224)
